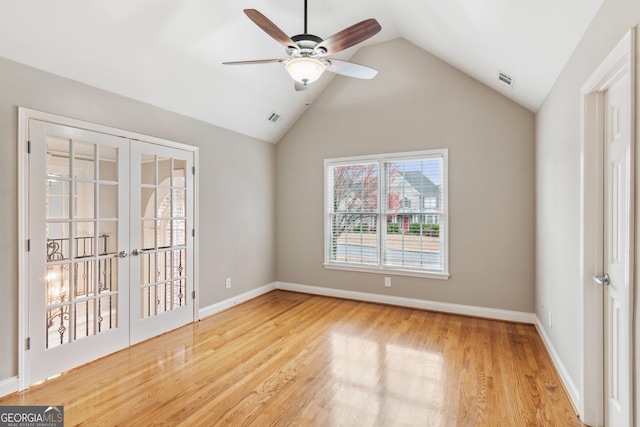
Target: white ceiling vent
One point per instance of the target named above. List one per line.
(273, 117)
(506, 79)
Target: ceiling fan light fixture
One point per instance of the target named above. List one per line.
(305, 70)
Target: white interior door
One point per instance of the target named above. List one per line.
(617, 247)
(78, 224)
(162, 203)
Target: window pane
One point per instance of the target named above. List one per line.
(354, 188)
(414, 186)
(412, 245)
(354, 239)
(414, 196)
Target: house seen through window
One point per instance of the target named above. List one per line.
(388, 212)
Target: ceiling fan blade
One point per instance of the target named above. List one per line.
(350, 69)
(256, 61)
(299, 86)
(350, 36)
(270, 28)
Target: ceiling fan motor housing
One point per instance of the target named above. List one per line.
(306, 46)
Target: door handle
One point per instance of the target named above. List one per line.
(123, 254)
(137, 252)
(602, 280)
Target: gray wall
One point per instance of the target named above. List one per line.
(418, 102)
(237, 187)
(558, 127)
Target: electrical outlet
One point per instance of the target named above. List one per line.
(387, 282)
(227, 283)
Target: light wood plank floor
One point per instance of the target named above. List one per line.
(294, 359)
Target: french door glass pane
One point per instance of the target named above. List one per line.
(57, 241)
(58, 163)
(58, 326)
(179, 202)
(108, 201)
(163, 210)
(164, 171)
(107, 313)
(148, 169)
(84, 200)
(58, 283)
(179, 167)
(84, 160)
(148, 202)
(84, 319)
(58, 198)
(148, 235)
(108, 162)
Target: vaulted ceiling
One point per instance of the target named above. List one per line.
(169, 53)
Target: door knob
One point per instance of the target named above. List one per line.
(123, 254)
(602, 280)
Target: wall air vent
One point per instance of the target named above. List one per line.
(273, 117)
(506, 79)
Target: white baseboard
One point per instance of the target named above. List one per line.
(8, 386)
(467, 310)
(228, 303)
(569, 385)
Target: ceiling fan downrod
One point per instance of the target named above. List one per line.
(305, 16)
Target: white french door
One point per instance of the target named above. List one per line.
(161, 224)
(78, 224)
(92, 199)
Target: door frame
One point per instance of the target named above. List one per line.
(24, 116)
(620, 63)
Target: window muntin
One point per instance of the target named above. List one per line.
(387, 213)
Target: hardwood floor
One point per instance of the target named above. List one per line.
(294, 359)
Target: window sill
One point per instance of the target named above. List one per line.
(388, 271)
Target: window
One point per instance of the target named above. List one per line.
(388, 213)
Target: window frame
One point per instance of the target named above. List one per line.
(381, 230)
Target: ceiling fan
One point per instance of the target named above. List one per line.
(308, 53)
